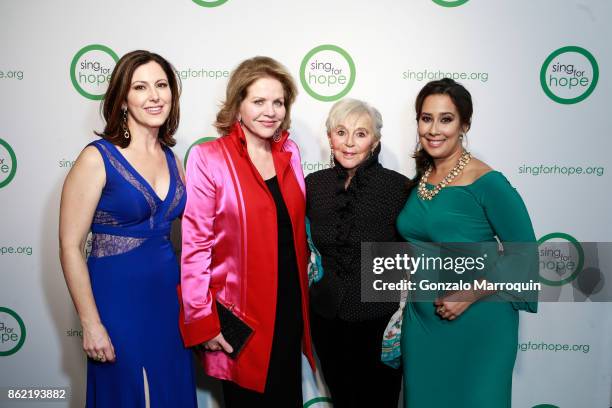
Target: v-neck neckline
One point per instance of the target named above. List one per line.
(141, 178)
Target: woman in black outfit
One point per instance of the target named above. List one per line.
(357, 200)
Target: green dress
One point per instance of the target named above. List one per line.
(467, 362)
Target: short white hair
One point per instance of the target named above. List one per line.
(347, 107)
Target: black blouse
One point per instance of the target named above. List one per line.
(340, 220)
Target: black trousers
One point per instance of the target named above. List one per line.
(284, 380)
(349, 353)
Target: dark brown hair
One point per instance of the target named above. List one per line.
(242, 77)
(117, 91)
(463, 103)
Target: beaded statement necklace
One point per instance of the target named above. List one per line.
(427, 194)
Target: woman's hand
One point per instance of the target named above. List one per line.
(80, 196)
(96, 343)
(453, 305)
(217, 343)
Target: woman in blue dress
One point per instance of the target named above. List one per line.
(127, 188)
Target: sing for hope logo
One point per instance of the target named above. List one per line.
(327, 72)
(561, 258)
(12, 332)
(91, 69)
(210, 3)
(569, 75)
(450, 3)
(8, 163)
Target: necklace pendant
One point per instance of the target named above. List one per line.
(428, 195)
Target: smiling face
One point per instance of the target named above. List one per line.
(440, 127)
(150, 98)
(352, 140)
(263, 109)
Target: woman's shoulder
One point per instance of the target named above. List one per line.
(392, 174)
(480, 174)
(209, 145)
(474, 171)
(97, 147)
(320, 175)
(393, 179)
(290, 145)
(492, 187)
(91, 156)
(205, 151)
(322, 182)
(482, 180)
(89, 168)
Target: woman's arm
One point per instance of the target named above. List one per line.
(509, 219)
(200, 322)
(80, 195)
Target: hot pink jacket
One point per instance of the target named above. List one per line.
(230, 251)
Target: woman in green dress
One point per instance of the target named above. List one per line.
(459, 350)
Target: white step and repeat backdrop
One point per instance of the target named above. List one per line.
(538, 72)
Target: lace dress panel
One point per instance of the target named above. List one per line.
(178, 194)
(104, 218)
(107, 245)
(129, 177)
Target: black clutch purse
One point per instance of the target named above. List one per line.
(235, 331)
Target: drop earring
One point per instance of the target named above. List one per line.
(124, 126)
(277, 135)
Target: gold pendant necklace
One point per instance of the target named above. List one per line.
(427, 194)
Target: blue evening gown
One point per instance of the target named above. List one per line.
(134, 274)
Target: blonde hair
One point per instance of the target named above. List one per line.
(242, 77)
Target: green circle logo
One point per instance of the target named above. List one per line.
(8, 163)
(12, 332)
(210, 4)
(327, 73)
(450, 3)
(560, 260)
(90, 70)
(319, 402)
(197, 142)
(569, 75)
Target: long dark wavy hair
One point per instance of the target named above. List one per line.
(116, 95)
(461, 99)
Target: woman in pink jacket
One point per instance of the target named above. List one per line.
(244, 244)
